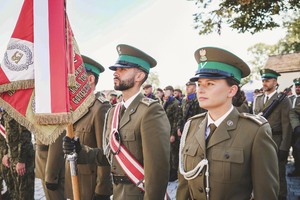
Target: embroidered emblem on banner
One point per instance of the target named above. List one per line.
(18, 57)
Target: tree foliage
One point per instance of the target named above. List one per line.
(153, 79)
(243, 15)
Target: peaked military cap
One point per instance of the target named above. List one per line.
(296, 81)
(92, 66)
(217, 63)
(190, 83)
(268, 73)
(132, 57)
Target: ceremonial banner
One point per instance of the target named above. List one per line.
(53, 90)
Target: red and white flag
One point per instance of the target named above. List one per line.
(43, 83)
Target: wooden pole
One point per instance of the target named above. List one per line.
(73, 166)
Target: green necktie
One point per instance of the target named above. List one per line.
(212, 128)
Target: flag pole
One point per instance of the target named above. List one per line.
(72, 158)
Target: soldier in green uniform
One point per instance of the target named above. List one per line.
(21, 159)
(143, 131)
(224, 154)
(172, 108)
(279, 122)
(94, 181)
(295, 99)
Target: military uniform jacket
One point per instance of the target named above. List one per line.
(295, 116)
(89, 129)
(241, 154)
(50, 161)
(278, 120)
(144, 130)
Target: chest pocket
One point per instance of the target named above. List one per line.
(84, 133)
(227, 164)
(132, 142)
(191, 157)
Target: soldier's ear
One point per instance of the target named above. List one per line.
(232, 90)
(91, 79)
(140, 75)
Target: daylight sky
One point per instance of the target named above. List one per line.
(161, 28)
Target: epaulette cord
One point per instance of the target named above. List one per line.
(256, 118)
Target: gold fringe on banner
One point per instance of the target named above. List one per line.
(47, 134)
(71, 80)
(83, 108)
(17, 85)
(52, 119)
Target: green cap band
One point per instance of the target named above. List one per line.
(142, 63)
(92, 68)
(235, 72)
(270, 75)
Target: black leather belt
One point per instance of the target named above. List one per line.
(40, 147)
(121, 180)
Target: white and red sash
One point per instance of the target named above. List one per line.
(133, 169)
(2, 131)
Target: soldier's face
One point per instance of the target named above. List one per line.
(215, 94)
(124, 78)
(269, 85)
(297, 89)
(190, 89)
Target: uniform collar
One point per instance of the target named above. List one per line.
(130, 100)
(220, 120)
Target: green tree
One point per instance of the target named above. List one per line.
(153, 79)
(243, 15)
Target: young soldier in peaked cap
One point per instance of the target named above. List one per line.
(223, 152)
(279, 122)
(94, 181)
(142, 131)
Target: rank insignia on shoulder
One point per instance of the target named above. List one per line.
(256, 118)
(148, 101)
(102, 99)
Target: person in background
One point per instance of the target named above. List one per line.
(295, 99)
(172, 108)
(19, 159)
(140, 126)
(224, 154)
(148, 91)
(160, 95)
(279, 122)
(178, 95)
(94, 181)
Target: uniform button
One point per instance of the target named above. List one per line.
(114, 167)
(201, 190)
(227, 155)
(186, 150)
(202, 156)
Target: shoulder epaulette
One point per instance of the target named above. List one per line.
(102, 99)
(198, 116)
(256, 118)
(148, 101)
(259, 95)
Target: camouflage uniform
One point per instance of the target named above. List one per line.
(20, 150)
(172, 109)
(4, 171)
(189, 108)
